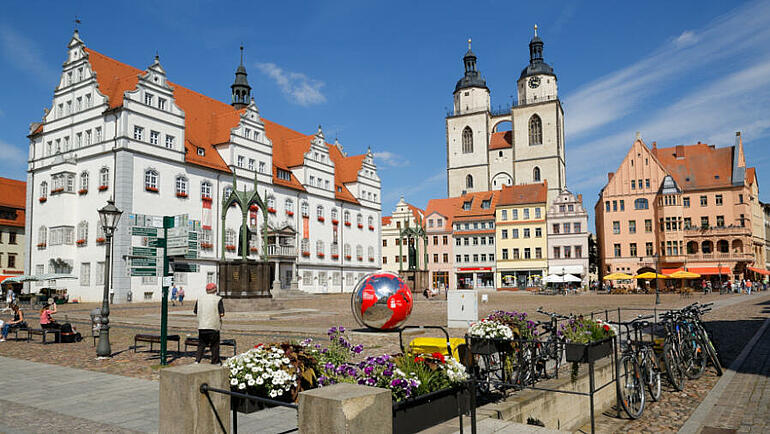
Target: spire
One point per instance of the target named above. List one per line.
(241, 90)
(739, 144)
(472, 77)
(536, 65)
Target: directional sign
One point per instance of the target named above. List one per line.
(185, 267)
(144, 271)
(176, 242)
(156, 242)
(144, 232)
(191, 254)
(144, 262)
(192, 235)
(144, 251)
(177, 232)
(177, 251)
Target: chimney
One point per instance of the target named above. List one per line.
(654, 145)
(609, 176)
(580, 198)
(679, 153)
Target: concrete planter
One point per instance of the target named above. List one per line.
(425, 411)
(590, 352)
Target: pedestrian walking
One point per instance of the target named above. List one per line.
(180, 296)
(173, 295)
(748, 287)
(210, 310)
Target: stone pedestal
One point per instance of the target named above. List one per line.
(346, 408)
(184, 409)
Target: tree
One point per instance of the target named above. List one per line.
(593, 254)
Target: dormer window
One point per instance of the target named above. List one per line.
(148, 97)
(161, 104)
(247, 133)
(201, 151)
(283, 174)
(485, 204)
(467, 205)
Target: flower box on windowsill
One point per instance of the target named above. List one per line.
(347, 224)
(271, 210)
(321, 219)
(151, 189)
(335, 222)
(306, 254)
(253, 208)
(103, 187)
(83, 191)
(206, 198)
(230, 247)
(253, 249)
(335, 256)
(41, 246)
(57, 190)
(182, 195)
(360, 226)
(321, 255)
(371, 259)
(290, 213)
(347, 257)
(360, 258)
(206, 245)
(43, 199)
(101, 240)
(371, 228)
(80, 242)
(586, 353)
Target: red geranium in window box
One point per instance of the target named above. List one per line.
(230, 247)
(206, 245)
(371, 228)
(151, 189)
(321, 219)
(320, 255)
(100, 240)
(41, 245)
(347, 257)
(335, 222)
(253, 207)
(360, 226)
(206, 198)
(57, 190)
(103, 187)
(181, 194)
(43, 199)
(335, 256)
(371, 259)
(347, 223)
(290, 213)
(360, 258)
(253, 249)
(305, 254)
(271, 210)
(82, 191)
(80, 242)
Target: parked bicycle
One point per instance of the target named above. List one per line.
(638, 367)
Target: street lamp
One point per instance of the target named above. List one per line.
(108, 217)
(657, 280)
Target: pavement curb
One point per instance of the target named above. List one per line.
(695, 422)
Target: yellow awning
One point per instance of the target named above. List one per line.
(650, 275)
(681, 274)
(618, 276)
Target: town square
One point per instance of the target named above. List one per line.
(258, 218)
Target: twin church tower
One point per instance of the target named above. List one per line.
(487, 149)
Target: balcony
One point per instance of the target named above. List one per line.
(729, 256)
(274, 250)
(717, 231)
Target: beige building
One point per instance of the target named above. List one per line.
(395, 256)
(568, 236)
(487, 149)
(12, 240)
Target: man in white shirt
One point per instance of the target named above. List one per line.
(210, 310)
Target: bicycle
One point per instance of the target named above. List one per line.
(638, 368)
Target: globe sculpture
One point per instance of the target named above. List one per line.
(381, 301)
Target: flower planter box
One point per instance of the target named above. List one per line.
(206, 199)
(489, 346)
(290, 213)
(271, 210)
(360, 226)
(230, 248)
(371, 228)
(424, 411)
(43, 199)
(243, 405)
(100, 240)
(103, 187)
(182, 195)
(306, 254)
(83, 191)
(347, 224)
(587, 353)
(347, 257)
(335, 256)
(151, 189)
(321, 219)
(335, 222)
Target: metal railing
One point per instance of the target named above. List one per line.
(205, 389)
(278, 250)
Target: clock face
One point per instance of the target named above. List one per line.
(534, 82)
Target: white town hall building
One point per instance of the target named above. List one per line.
(157, 148)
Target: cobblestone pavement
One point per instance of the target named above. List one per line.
(17, 418)
(732, 326)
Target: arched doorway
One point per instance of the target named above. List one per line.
(707, 247)
(723, 246)
(692, 247)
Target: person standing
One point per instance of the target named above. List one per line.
(16, 322)
(210, 309)
(180, 296)
(174, 292)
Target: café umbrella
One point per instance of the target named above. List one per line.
(618, 276)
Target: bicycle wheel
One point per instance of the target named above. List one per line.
(697, 359)
(631, 387)
(651, 373)
(525, 366)
(711, 352)
(673, 367)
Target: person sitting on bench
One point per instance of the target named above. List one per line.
(47, 322)
(17, 322)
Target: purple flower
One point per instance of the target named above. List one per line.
(387, 373)
(358, 348)
(351, 371)
(368, 370)
(371, 381)
(329, 366)
(342, 329)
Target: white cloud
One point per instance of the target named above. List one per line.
(22, 53)
(740, 35)
(297, 87)
(13, 156)
(411, 190)
(389, 159)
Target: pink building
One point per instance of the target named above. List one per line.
(438, 227)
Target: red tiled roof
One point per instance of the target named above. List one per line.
(208, 123)
(386, 219)
(452, 207)
(751, 175)
(500, 140)
(524, 194)
(13, 194)
(699, 166)
(416, 212)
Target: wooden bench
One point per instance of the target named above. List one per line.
(43, 333)
(194, 342)
(155, 339)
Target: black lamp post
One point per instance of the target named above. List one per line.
(657, 280)
(108, 217)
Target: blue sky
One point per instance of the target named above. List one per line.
(381, 74)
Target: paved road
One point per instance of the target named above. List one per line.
(38, 397)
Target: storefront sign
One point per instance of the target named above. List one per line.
(475, 269)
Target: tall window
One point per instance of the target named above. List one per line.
(151, 180)
(229, 237)
(469, 181)
(370, 252)
(319, 248)
(82, 233)
(536, 174)
(42, 236)
(359, 251)
(305, 208)
(535, 130)
(43, 189)
(346, 250)
(319, 211)
(641, 204)
(84, 181)
(181, 186)
(467, 140)
(104, 178)
(347, 217)
(370, 221)
(289, 205)
(205, 190)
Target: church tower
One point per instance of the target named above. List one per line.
(241, 89)
(538, 125)
(467, 132)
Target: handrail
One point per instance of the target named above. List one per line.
(206, 388)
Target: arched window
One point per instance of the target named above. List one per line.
(206, 190)
(181, 186)
(43, 189)
(723, 246)
(370, 252)
(536, 174)
(641, 203)
(104, 178)
(692, 247)
(334, 213)
(535, 130)
(319, 211)
(707, 247)
(469, 181)
(370, 221)
(346, 251)
(335, 250)
(359, 252)
(319, 248)
(82, 233)
(347, 217)
(305, 208)
(289, 206)
(151, 180)
(227, 192)
(360, 220)
(467, 140)
(84, 182)
(304, 246)
(42, 237)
